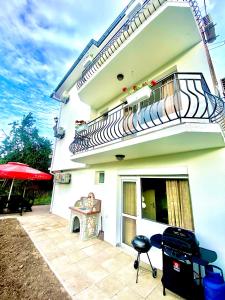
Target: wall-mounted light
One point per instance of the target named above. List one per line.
(59, 132)
(120, 77)
(120, 156)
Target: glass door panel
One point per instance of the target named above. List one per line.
(129, 230)
(129, 211)
(129, 198)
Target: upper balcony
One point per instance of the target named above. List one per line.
(180, 115)
(147, 40)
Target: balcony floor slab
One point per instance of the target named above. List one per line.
(182, 137)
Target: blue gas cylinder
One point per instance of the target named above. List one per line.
(213, 283)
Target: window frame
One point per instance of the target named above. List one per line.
(164, 177)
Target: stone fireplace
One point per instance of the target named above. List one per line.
(85, 216)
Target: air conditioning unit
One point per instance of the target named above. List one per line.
(134, 8)
(59, 132)
(64, 178)
(209, 29)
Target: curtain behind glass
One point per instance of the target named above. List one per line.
(129, 230)
(179, 204)
(129, 198)
(129, 208)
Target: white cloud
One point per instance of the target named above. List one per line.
(39, 41)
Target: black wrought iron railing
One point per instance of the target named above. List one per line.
(178, 98)
(148, 8)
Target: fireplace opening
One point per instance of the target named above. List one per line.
(76, 224)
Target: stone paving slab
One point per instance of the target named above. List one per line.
(90, 269)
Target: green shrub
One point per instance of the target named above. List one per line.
(44, 199)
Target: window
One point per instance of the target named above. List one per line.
(161, 102)
(154, 202)
(100, 177)
(167, 201)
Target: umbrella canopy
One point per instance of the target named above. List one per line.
(16, 170)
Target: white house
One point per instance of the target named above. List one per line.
(154, 155)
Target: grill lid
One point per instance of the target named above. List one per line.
(180, 239)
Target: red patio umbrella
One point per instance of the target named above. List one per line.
(16, 170)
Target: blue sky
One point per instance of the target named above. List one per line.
(40, 40)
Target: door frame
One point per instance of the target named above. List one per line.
(123, 179)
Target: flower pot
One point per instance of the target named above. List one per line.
(140, 95)
(81, 127)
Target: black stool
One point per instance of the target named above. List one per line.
(142, 245)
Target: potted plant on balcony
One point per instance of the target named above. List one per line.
(80, 125)
(140, 93)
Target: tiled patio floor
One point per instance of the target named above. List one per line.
(92, 269)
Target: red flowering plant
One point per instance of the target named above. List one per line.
(135, 88)
(77, 122)
(80, 125)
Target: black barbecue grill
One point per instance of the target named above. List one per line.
(180, 251)
(180, 240)
(142, 245)
(178, 247)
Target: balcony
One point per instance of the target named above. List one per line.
(180, 115)
(151, 36)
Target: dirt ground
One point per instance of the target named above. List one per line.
(23, 272)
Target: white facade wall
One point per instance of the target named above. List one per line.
(193, 60)
(206, 173)
(205, 170)
(73, 110)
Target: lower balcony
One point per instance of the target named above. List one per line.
(179, 115)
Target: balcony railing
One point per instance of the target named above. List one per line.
(128, 28)
(179, 98)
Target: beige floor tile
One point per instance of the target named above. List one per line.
(126, 294)
(157, 294)
(96, 274)
(75, 256)
(92, 293)
(53, 254)
(96, 249)
(124, 258)
(60, 262)
(101, 257)
(113, 250)
(65, 244)
(146, 284)
(111, 265)
(87, 263)
(126, 274)
(90, 269)
(79, 282)
(110, 285)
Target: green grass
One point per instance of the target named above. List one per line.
(44, 199)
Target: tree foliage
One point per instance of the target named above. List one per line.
(24, 145)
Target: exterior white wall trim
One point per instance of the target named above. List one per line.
(155, 171)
